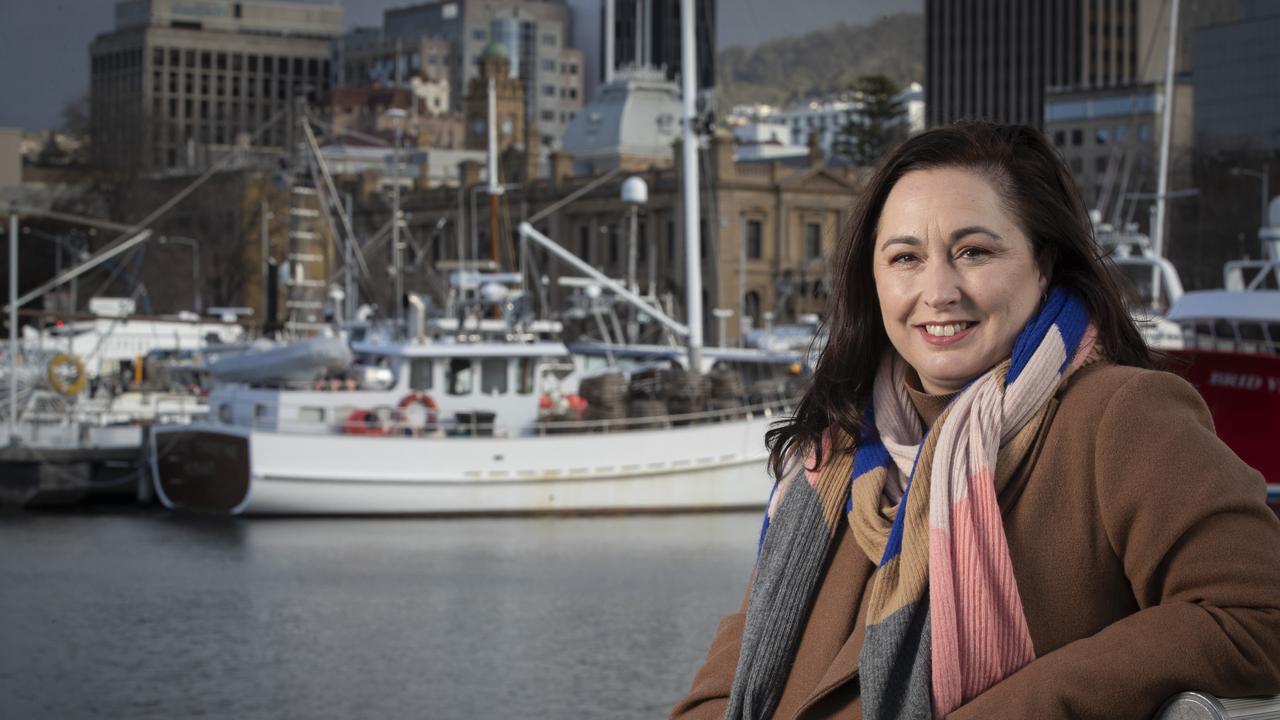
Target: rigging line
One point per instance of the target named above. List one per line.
(554, 207)
(336, 204)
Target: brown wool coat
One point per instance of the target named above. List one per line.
(1147, 561)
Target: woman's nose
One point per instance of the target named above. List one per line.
(941, 285)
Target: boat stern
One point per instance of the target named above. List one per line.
(200, 470)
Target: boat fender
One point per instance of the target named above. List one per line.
(363, 422)
(420, 397)
(57, 379)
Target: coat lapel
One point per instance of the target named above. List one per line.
(844, 667)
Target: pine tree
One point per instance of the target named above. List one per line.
(868, 135)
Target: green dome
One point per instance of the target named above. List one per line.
(495, 49)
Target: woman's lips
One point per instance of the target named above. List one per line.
(945, 340)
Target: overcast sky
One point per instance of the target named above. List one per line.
(44, 44)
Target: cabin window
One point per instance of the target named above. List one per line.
(224, 413)
(493, 376)
(260, 411)
(525, 381)
(459, 379)
(1252, 338)
(420, 374)
(1204, 336)
(1273, 331)
(311, 414)
(1225, 334)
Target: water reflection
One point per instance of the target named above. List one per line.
(158, 616)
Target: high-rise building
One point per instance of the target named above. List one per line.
(536, 35)
(1237, 86)
(645, 33)
(997, 59)
(179, 78)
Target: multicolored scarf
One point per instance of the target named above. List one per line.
(944, 618)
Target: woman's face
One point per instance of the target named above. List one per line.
(956, 277)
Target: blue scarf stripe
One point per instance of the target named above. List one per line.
(1062, 308)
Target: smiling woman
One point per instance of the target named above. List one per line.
(988, 504)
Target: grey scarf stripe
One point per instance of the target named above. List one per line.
(791, 562)
(895, 654)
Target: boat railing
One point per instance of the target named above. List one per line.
(391, 421)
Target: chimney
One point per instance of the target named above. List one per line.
(815, 149)
(561, 168)
(469, 172)
(722, 143)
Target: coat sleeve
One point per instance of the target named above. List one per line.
(1201, 550)
(709, 696)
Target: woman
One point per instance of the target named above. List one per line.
(1032, 523)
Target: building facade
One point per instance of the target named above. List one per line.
(1237, 82)
(769, 231)
(179, 80)
(1110, 138)
(536, 35)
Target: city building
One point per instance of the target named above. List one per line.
(1237, 86)
(827, 118)
(996, 60)
(535, 33)
(631, 123)
(364, 110)
(769, 231)
(646, 34)
(179, 81)
(1110, 137)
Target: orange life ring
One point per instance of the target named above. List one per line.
(363, 422)
(420, 397)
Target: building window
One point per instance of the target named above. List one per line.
(611, 232)
(671, 240)
(222, 61)
(549, 65)
(1121, 133)
(813, 240)
(549, 90)
(1077, 165)
(1059, 138)
(1100, 164)
(478, 34)
(253, 63)
(1144, 132)
(755, 239)
(548, 115)
(157, 56)
(584, 242)
(1102, 136)
(1077, 137)
(549, 39)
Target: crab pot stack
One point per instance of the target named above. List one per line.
(686, 393)
(606, 396)
(726, 391)
(647, 398)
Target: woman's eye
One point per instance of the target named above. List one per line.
(902, 259)
(973, 253)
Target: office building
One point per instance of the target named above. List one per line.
(178, 80)
(1237, 80)
(646, 33)
(996, 60)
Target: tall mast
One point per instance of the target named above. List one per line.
(692, 210)
(494, 188)
(1166, 125)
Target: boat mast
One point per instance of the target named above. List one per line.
(1166, 125)
(692, 241)
(13, 325)
(494, 188)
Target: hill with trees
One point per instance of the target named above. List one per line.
(821, 63)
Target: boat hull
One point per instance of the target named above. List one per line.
(228, 470)
(1242, 391)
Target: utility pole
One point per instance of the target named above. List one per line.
(1166, 126)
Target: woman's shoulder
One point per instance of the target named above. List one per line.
(1141, 399)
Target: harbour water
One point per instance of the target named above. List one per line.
(143, 614)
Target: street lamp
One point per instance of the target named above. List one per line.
(397, 116)
(195, 265)
(1264, 176)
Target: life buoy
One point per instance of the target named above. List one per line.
(54, 373)
(363, 422)
(422, 398)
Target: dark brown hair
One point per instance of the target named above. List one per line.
(1038, 192)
